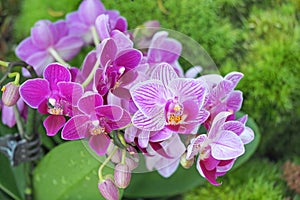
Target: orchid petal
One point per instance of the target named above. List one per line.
(26, 48)
(53, 123)
(234, 126)
(234, 101)
(89, 102)
(55, 73)
(234, 77)
(227, 146)
(160, 135)
(89, 10)
(69, 46)
(194, 148)
(76, 128)
(247, 135)
(165, 73)
(154, 123)
(107, 51)
(41, 34)
(111, 112)
(34, 91)
(143, 138)
(209, 175)
(70, 91)
(149, 97)
(123, 122)
(129, 58)
(99, 143)
(38, 61)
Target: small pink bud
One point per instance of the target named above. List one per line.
(10, 94)
(122, 175)
(108, 189)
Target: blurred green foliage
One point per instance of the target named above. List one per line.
(256, 180)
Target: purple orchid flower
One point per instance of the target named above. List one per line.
(114, 64)
(48, 42)
(220, 147)
(83, 21)
(169, 101)
(166, 166)
(8, 116)
(95, 122)
(222, 96)
(54, 95)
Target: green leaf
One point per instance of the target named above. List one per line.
(68, 171)
(148, 185)
(7, 179)
(252, 146)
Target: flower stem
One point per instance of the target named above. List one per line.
(95, 35)
(19, 122)
(105, 163)
(123, 156)
(17, 75)
(4, 64)
(57, 57)
(91, 75)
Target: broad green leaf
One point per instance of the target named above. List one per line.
(68, 171)
(152, 184)
(8, 183)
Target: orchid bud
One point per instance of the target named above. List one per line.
(10, 94)
(186, 163)
(122, 175)
(108, 189)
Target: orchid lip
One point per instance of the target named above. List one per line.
(173, 112)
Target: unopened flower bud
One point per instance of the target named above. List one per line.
(186, 163)
(108, 189)
(122, 175)
(10, 94)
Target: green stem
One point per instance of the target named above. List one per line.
(123, 156)
(31, 121)
(95, 35)
(91, 75)
(105, 163)
(57, 57)
(19, 122)
(4, 64)
(17, 75)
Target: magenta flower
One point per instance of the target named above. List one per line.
(47, 42)
(95, 122)
(168, 101)
(54, 95)
(219, 148)
(114, 64)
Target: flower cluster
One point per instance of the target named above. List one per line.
(127, 101)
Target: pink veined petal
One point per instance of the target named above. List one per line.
(188, 89)
(165, 73)
(121, 123)
(217, 123)
(234, 77)
(89, 10)
(107, 51)
(170, 166)
(234, 101)
(76, 128)
(53, 123)
(89, 102)
(227, 146)
(121, 39)
(243, 119)
(149, 97)
(224, 166)
(70, 91)
(55, 73)
(26, 48)
(158, 148)
(209, 175)
(102, 26)
(42, 35)
(34, 91)
(99, 143)
(69, 46)
(222, 89)
(121, 24)
(128, 58)
(193, 72)
(154, 123)
(234, 126)
(111, 112)
(143, 138)
(168, 51)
